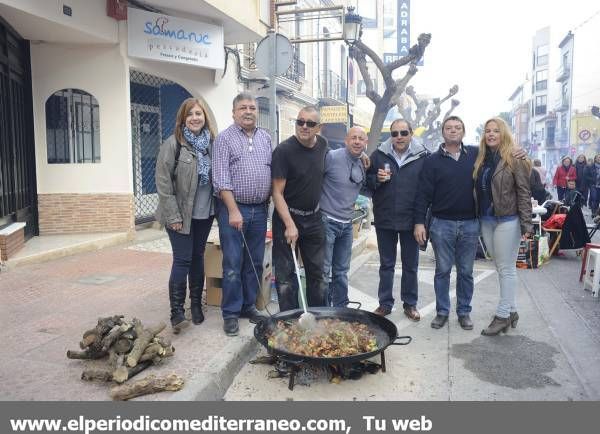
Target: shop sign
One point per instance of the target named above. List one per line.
(334, 114)
(173, 39)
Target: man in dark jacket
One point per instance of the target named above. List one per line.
(392, 180)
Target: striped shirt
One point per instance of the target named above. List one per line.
(242, 164)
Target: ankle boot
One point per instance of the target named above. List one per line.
(514, 319)
(196, 302)
(496, 326)
(177, 300)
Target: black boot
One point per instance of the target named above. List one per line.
(196, 302)
(177, 300)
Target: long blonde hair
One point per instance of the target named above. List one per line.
(505, 147)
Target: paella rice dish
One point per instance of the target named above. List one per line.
(331, 338)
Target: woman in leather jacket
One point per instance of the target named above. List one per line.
(504, 207)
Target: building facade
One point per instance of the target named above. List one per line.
(89, 113)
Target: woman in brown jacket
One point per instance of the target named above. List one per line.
(504, 207)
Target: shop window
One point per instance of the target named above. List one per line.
(72, 127)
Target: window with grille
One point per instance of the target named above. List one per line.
(72, 127)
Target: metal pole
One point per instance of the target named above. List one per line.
(273, 89)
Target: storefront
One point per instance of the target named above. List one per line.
(101, 99)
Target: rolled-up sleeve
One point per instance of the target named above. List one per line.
(220, 165)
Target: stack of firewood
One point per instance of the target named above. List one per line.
(128, 346)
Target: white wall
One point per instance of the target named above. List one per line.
(46, 20)
(101, 71)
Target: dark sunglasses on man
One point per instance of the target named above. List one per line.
(403, 133)
(309, 124)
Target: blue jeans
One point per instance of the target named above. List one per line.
(188, 253)
(387, 243)
(454, 243)
(502, 239)
(240, 284)
(338, 252)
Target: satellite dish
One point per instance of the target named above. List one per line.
(273, 64)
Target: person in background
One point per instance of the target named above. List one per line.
(581, 183)
(344, 177)
(537, 165)
(592, 177)
(242, 183)
(185, 205)
(538, 192)
(564, 172)
(504, 209)
(393, 195)
(573, 196)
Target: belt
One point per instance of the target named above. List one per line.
(301, 212)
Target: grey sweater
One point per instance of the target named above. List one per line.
(339, 192)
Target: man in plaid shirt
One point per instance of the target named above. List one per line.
(241, 170)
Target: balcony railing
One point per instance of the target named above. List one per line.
(296, 71)
(561, 104)
(563, 73)
(333, 86)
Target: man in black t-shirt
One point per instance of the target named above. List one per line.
(297, 170)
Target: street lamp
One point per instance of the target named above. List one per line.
(352, 26)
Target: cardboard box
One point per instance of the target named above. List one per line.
(214, 293)
(213, 270)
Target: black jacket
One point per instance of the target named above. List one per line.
(589, 174)
(580, 182)
(393, 201)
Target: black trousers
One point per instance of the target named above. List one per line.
(311, 242)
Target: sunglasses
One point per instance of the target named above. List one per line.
(403, 133)
(309, 124)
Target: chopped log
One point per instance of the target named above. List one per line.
(145, 335)
(129, 335)
(79, 355)
(150, 384)
(89, 338)
(123, 345)
(122, 373)
(151, 352)
(97, 375)
(163, 341)
(113, 335)
(92, 339)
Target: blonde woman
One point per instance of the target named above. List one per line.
(186, 205)
(504, 209)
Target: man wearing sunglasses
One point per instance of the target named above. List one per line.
(297, 170)
(393, 192)
(343, 180)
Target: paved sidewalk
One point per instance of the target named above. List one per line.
(46, 307)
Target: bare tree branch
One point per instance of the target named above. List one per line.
(387, 74)
(370, 92)
(414, 54)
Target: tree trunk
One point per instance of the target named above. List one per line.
(377, 126)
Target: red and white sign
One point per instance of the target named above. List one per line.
(585, 134)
